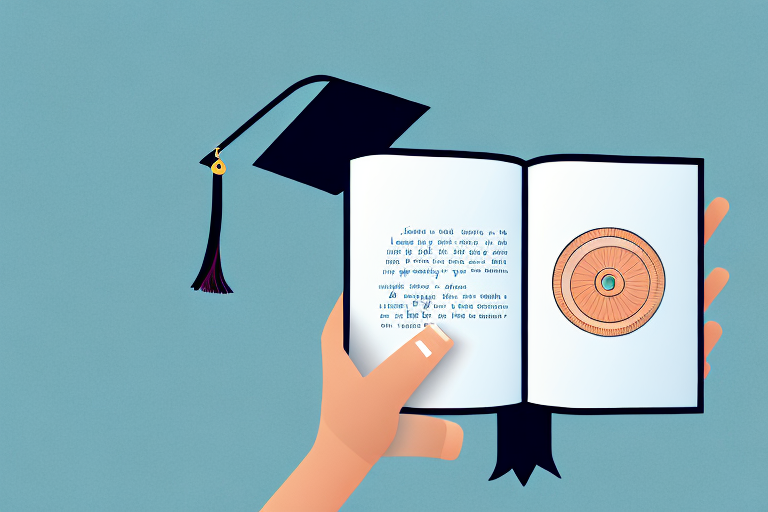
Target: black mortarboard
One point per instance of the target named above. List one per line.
(344, 121)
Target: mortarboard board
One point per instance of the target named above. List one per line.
(344, 121)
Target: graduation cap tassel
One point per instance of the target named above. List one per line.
(524, 433)
(210, 278)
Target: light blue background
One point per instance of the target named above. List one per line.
(122, 389)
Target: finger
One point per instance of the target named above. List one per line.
(426, 436)
(402, 372)
(714, 284)
(714, 214)
(335, 359)
(712, 333)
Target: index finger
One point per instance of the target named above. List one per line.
(402, 372)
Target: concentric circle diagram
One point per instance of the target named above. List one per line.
(608, 282)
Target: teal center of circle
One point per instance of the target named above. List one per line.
(608, 282)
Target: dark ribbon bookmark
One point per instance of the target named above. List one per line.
(524, 441)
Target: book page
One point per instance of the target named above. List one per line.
(438, 240)
(626, 335)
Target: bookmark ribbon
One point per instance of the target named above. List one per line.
(524, 441)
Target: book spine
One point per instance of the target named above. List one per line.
(524, 291)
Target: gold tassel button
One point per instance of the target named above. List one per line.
(218, 166)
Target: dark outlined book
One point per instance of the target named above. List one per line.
(574, 282)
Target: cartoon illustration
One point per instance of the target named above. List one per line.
(608, 282)
(193, 190)
(484, 273)
(361, 419)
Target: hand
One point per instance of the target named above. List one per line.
(716, 280)
(360, 419)
(364, 412)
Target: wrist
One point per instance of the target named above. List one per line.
(325, 478)
(328, 446)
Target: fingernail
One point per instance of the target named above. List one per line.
(439, 332)
(423, 348)
(454, 437)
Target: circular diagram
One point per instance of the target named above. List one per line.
(608, 282)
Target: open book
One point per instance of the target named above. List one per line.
(570, 281)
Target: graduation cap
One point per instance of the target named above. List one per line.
(343, 122)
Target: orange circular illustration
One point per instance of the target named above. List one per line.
(608, 282)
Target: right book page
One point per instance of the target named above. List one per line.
(613, 284)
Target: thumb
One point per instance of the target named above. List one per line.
(402, 372)
(426, 436)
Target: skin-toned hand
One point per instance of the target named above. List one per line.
(360, 420)
(716, 280)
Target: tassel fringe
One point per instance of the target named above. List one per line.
(210, 278)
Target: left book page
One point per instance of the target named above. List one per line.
(439, 240)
